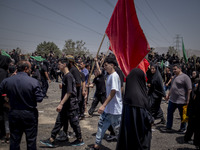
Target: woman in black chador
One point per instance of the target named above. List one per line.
(135, 129)
(156, 92)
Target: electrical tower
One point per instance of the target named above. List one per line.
(178, 39)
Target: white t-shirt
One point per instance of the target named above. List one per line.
(115, 105)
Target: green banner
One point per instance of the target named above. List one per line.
(184, 52)
(4, 53)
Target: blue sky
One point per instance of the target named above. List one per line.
(27, 23)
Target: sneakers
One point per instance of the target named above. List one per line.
(71, 135)
(168, 130)
(62, 136)
(181, 130)
(77, 142)
(81, 117)
(48, 143)
(189, 142)
(163, 121)
(90, 112)
(111, 138)
(153, 130)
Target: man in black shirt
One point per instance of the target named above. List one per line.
(100, 93)
(23, 92)
(67, 108)
(75, 72)
(168, 78)
(45, 77)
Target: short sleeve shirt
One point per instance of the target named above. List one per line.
(74, 71)
(179, 89)
(43, 70)
(115, 105)
(86, 73)
(99, 81)
(69, 86)
(82, 77)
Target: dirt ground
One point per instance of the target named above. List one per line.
(47, 117)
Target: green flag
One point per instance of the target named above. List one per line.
(4, 53)
(162, 64)
(37, 58)
(184, 52)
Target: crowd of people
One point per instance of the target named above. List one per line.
(127, 113)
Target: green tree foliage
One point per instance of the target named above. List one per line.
(47, 47)
(75, 48)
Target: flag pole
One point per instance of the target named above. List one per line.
(97, 57)
(102, 61)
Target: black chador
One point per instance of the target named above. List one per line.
(135, 129)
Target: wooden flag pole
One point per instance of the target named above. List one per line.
(97, 57)
(102, 61)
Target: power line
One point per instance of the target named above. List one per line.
(27, 13)
(37, 16)
(152, 40)
(68, 18)
(94, 9)
(6, 46)
(21, 32)
(157, 17)
(109, 3)
(151, 23)
(8, 39)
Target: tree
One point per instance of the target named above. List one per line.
(172, 51)
(47, 47)
(75, 48)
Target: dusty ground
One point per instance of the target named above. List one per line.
(47, 116)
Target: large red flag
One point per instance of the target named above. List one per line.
(127, 39)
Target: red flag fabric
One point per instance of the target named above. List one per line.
(144, 64)
(127, 39)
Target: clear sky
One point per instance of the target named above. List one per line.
(27, 23)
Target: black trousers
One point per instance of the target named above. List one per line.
(81, 105)
(97, 98)
(23, 121)
(156, 110)
(63, 119)
(57, 74)
(45, 86)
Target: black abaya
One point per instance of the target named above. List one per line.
(135, 130)
(156, 92)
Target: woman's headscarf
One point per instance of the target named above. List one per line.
(136, 91)
(156, 82)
